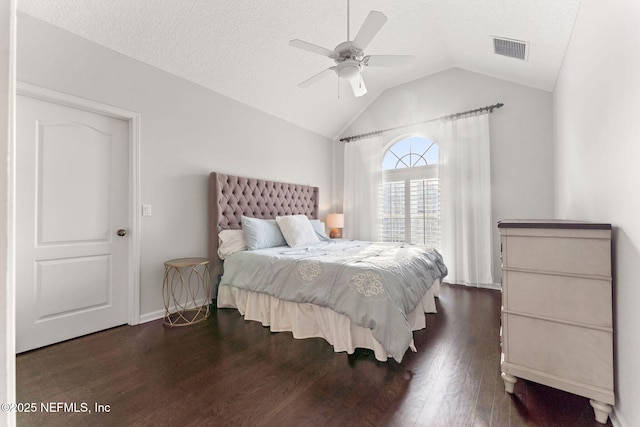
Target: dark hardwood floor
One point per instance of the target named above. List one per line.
(229, 372)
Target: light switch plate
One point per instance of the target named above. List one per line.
(146, 210)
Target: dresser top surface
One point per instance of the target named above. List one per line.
(552, 223)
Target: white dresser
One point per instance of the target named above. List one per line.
(557, 324)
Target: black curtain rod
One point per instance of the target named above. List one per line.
(488, 108)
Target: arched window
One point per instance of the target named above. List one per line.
(410, 199)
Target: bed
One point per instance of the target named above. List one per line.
(272, 270)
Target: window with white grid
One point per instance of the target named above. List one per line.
(410, 193)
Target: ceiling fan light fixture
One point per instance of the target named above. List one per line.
(348, 70)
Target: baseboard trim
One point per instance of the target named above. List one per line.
(495, 286)
(616, 419)
(150, 317)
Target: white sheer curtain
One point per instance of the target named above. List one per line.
(465, 200)
(362, 180)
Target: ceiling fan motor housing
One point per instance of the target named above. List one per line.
(347, 50)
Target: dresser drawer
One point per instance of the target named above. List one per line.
(574, 353)
(561, 254)
(567, 298)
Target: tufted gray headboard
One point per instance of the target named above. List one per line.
(230, 197)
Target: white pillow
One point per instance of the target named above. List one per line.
(230, 241)
(297, 230)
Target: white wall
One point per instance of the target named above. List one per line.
(187, 131)
(7, 328)
(521, 135)
(597, 133)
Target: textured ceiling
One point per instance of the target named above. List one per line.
(239, 48)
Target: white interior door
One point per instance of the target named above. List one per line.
(72, 194)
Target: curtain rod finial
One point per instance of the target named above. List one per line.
(494, 106)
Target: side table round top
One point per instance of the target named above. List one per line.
(186, 262)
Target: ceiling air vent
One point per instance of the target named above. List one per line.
(511, 48)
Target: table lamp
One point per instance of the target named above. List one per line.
(335, 222)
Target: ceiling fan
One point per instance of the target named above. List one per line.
(349, 56)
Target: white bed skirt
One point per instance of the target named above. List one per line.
(311, 321)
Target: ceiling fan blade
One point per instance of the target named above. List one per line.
(373, 24)
(387, 60)
(322, 74)
(357, 84)
(310, 47)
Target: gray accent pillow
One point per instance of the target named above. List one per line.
(261, 233)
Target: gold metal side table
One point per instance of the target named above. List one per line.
(186, 291)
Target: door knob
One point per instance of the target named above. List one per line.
(121, 232)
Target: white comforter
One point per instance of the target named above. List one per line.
(374, 284)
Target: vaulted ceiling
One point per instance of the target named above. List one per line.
(239, 48)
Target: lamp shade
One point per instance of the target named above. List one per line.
(335, 220)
